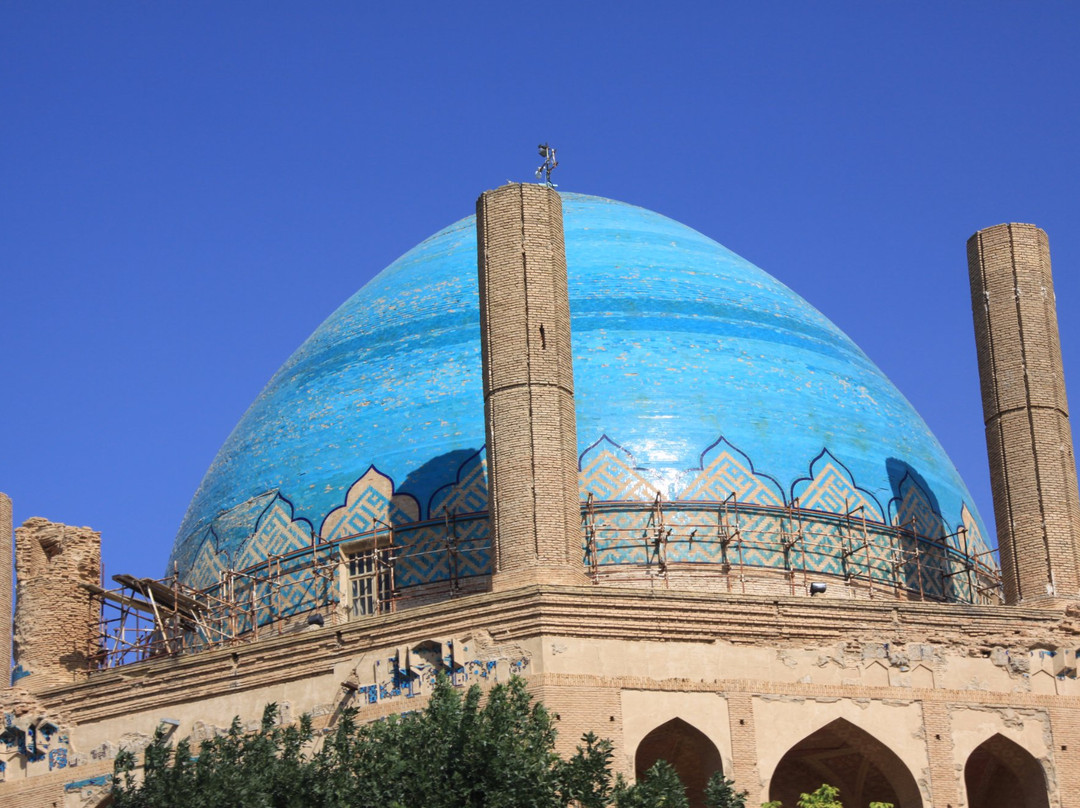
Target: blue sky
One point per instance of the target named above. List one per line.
(188, 189)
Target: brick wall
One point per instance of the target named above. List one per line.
(1033, 473)
(743, 743)
(944, 778)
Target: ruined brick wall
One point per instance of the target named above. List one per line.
(528, 386)
(55, 621)
(1028, 438)
(6, 581)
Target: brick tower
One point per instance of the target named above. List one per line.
(528, 388)
(1028, 438)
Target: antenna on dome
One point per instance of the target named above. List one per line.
(549, 164)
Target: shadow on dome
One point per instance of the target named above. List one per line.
(435, 474)
(924, 534)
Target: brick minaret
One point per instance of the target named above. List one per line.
(6, 582)
(1033, 474)
(56, 622)
(528, 388)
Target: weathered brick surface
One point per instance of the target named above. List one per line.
(944, 779)
(1033, 472)
(528, 386)
(743, 742)
(6, 582)
(56, 622)
(642, 641)
(1065, 724)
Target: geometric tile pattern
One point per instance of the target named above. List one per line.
(607, 471)
(439, 551)
(912, 509)
(933, 558)
(275, 533)
(294, 590)
(724, 512)
(421, 555)
(223, 540)
(369, 505)
(830, 544)
(976, 544)
(623, 537)
(929, 574)
(830, 487)
(208, 564)
(467, 494)
(725, 471)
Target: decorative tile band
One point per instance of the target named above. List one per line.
(725, 512)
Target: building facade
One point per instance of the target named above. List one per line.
(573, 440)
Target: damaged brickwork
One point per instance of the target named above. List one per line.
(56, 623)
(6, 583)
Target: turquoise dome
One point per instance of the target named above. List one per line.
(680, 347)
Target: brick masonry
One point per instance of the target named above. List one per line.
(1028, 437)
(743, 740)
(55, 621)
(528, 379)
(819, 660)
(7, 581)
(943, 774)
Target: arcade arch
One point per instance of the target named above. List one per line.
(1002, 774)
(687, 749)
(843, 755)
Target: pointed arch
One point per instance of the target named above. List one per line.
(1000, 773)
(687, 749)
(849, 758)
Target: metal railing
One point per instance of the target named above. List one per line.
(730, 542)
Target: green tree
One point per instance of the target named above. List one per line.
(461, 751)
(825, 796)
(660, 788)
(263, 768)
(720, 793)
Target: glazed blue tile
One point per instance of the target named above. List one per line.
(678, 342)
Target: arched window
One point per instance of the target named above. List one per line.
(844, 756)
(686, 748)
(1002, 774)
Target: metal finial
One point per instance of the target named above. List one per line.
(549, 164)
